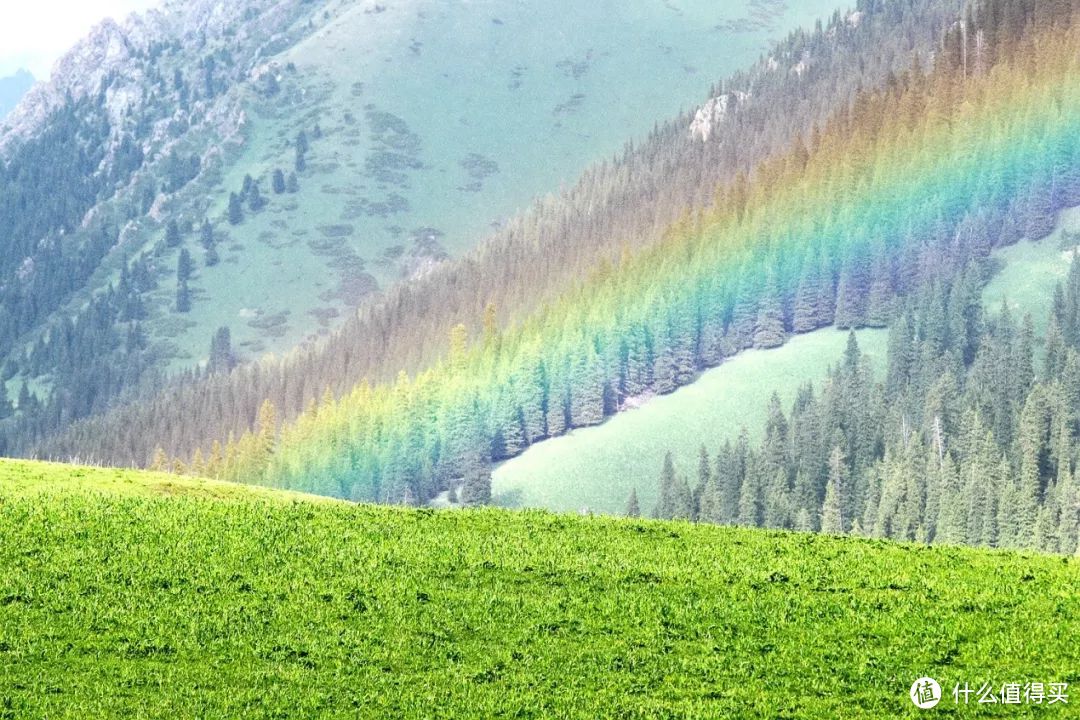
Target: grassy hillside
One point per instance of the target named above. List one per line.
(438, 122)
(596, 468)
(26, 479)
(186, 607)
(1030, 270)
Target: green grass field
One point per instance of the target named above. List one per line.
(151, 605)
(596, 468)
(27, 479)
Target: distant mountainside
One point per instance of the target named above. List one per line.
(616, 210)
(178, 160)
(12, 89)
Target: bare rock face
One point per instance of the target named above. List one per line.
(713, 113)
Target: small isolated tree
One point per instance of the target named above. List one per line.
(633, 508)
(255, 199)
(183, 297)
(184, 266)
(172, 233)
(221, 353)
(236, 209)
(206, 235)
(278, 182)
(160, 461)
(292, 185)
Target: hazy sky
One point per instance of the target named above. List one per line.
(34, 33)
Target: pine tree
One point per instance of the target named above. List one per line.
(832, 515)
(172, 234)
(160, 461)
(769, 329)
(206, 235)
(476, 488)
(278, 181)
(665, 506)
(805, 316)
(183, 297)
(664, 373)
(184, 266)
(633, 509)
(750, 495)
(221, 354)
(236, 209)
(256, 201)
(587, 391)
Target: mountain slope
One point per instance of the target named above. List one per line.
(598, 467)
(617, 207)
(167, 116)
(267, 609)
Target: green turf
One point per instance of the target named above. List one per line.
(182, 607)
(596, 468)
(24, 478)
(1029, 271)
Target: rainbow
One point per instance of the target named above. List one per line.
(915, 181)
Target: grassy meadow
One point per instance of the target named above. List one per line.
(150, 604)
(596, 468)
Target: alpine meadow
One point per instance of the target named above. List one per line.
(487, 359)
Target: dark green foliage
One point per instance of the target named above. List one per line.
(278, 182)
(476, 487)
(946, 451)
(206, 235)
(236, 209)
(769, 329)
(256, 201)
(222, 358)
(184, 266)
(172, 234)
(183, 297)
(676, 499)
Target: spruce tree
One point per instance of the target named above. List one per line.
(172, 233)
(769, 328)
(236, 209)
(665, 505)
(832, 514)
(633, 508)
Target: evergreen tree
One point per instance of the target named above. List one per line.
(183, 297)
(206, 235)
(769, 329)
(832, 515)
(236, 209)
(278, 183)
(633, 509)
(184, 266)
(256, 201)
(172, 234)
